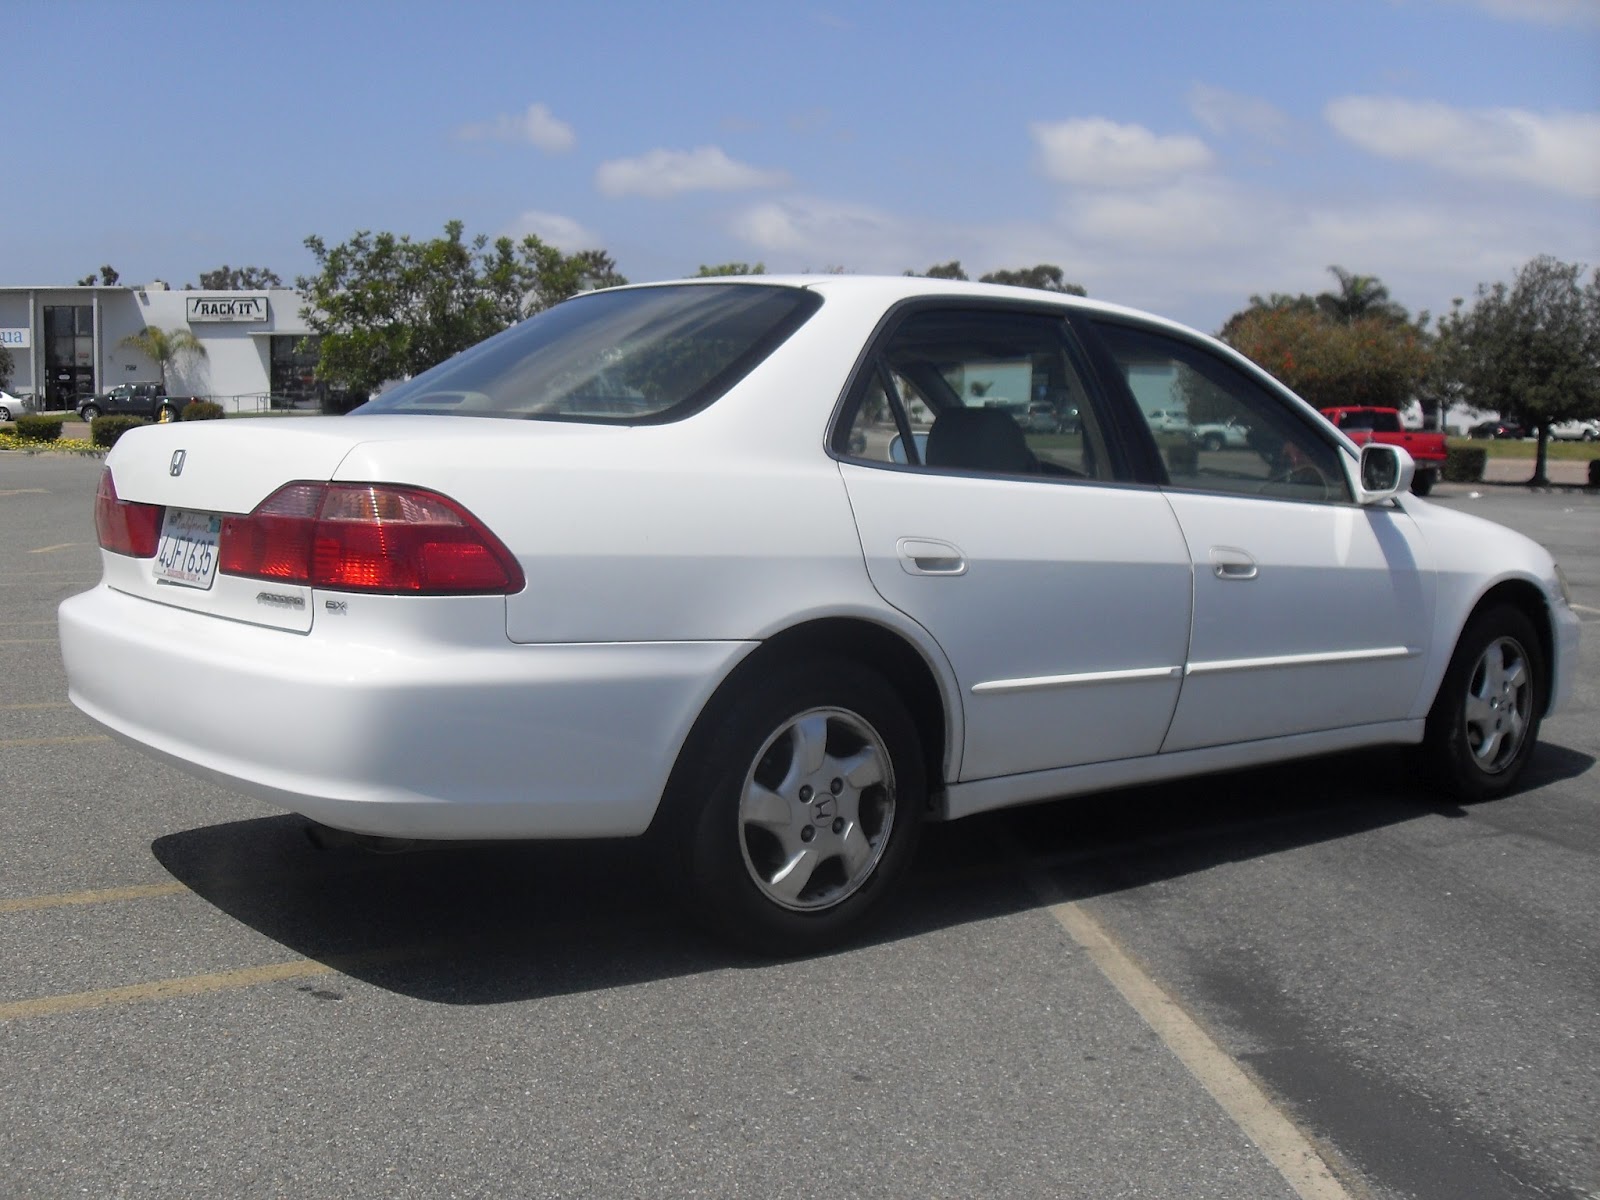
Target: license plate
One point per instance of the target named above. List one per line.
(187, 553)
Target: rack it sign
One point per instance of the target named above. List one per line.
(200, 309)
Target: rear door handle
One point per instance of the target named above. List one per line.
(927, 556)
(1229, 562)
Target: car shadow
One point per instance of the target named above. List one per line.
(501, 922)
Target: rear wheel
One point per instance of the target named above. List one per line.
(166, 413)
(1485, 719)
(89, 412)
(800, 808)
(1212, 441)
(1422, 482)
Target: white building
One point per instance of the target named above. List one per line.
(66, 343)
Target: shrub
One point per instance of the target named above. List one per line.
(1464, 464)
(1594, 472)
(202, 410)
(38, 427)
(104, 431)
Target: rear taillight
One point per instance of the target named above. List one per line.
(122, 526)
(363, 537)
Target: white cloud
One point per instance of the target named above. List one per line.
(1222, 112)
(669, 172)
(1540, 12)
(1558, 152)
(814, 234)
(538, 126)
(1095, 152)
(563, 233)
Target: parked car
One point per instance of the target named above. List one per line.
(12, 407)
(1576, 431)
(1230, 434)
(1168, 420)
(135, 400)
(1369, 423)
(1499, 429)
(724, 623)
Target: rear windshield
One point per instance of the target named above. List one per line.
(635, 356)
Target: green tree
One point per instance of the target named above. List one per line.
(1530, 350)
(108, 276)
(238, 279)
(165, 347)
(1046, 277)
(386, 307)
(730, 268)
(949, 270)
(1332, 363)
(6, 367)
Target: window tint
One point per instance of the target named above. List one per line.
(988, 391)
(1217, 429)
(639, 355)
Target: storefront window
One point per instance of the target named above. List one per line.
(68, 354)
(294, 372)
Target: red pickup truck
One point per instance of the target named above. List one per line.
(1363, 425)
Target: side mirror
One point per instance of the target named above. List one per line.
(897, 448)
(1385, 472)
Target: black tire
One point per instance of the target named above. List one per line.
(785, 856)
(1422, 483)
(1212, 441)
(5, 413)
(88, 412)
(165, 413)
(1485, 719)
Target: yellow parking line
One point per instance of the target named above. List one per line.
(60, 546)
(138, 891)
(87, 739)
(24, 492)
(26, 641)
(213, 981)
(163, 989)
(1285, 1146)
(34, 707)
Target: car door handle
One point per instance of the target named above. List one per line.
(926, 556)
(1227, 562)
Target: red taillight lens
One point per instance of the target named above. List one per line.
(367, 538)
(122, 526)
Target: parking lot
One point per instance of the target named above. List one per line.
(1311, 980)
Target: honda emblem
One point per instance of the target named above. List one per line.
(176, 468)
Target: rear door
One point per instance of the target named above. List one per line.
(1061, 597)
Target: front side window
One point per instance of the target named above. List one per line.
(633, 356)
(1216, 428)
(981, 391)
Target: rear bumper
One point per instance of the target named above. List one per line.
(414, 739)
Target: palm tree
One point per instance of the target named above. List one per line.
(165, 347)
(1358, 296)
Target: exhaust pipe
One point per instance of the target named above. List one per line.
(325, 837)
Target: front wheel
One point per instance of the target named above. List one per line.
(1484, 722)
(88, 412)
(800, 807)
(166, 414)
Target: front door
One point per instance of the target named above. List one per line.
(1311, 613)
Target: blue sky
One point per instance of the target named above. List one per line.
(1171, 155)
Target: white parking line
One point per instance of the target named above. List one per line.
(1289, 1150)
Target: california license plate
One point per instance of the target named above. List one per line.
(187, 553)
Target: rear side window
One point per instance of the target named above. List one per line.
(636, 356)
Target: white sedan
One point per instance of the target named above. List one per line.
(11, 407)
(673, 560)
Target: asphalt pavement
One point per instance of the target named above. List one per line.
(1309, 980)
